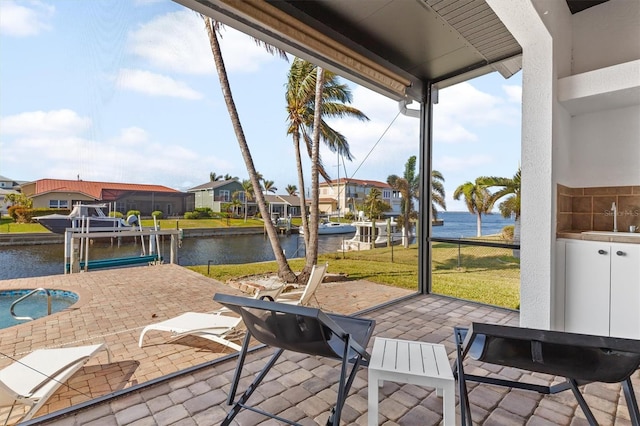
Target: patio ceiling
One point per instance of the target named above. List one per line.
(391, 46)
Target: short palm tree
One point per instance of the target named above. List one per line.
(477, 198)
(437, 193)
(510, 188)
(408, 186)
(292, 190)
(247, 187)
(214, 177)
(269, 186)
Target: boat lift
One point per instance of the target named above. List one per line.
(77, 242)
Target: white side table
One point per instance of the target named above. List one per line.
(417, 363)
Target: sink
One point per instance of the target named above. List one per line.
(612, 234)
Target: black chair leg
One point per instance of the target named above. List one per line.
(240, 403)
(583, 404)
(632, 402)
(465, 407)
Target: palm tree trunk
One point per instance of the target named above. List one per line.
(312, 249)
(284, 270)
(479, 225)
(303, 198)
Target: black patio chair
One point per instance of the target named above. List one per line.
(299, 329)
(579, 358)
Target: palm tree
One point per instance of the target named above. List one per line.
(247, 187)
(227, 176)
(477, 198)
(301, 105)
(268, 186)
(437, 193)
(212, 27)
(214, 177)
(408, 186)
(292, 190)
(375, 205)
(511, 205)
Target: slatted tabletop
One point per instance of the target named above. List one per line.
(417, 363)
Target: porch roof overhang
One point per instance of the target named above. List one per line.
(394, 47)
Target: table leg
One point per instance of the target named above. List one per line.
(372, 399)
(449, 404)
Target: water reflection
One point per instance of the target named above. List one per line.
(41, 260)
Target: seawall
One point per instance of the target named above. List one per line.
(23, 239)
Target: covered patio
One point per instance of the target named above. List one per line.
(302, 388)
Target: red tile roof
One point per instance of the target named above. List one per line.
(94, 189)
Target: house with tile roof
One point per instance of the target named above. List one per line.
(215, 193)
(59, 193)
(340, 196)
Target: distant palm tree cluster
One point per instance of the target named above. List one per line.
(480, 200)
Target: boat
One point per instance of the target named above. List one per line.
(58, 223)
(365, 238)
(329, 228)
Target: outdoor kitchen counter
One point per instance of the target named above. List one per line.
(608, 238)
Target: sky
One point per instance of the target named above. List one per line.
(126, 91)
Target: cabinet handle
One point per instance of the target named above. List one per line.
(602, 251)
(621, 253)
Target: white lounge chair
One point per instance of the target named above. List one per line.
(216, 326)
(32, 379)
(302, 297)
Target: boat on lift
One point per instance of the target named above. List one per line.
(370, 234)
(57, 223)
(329, 228)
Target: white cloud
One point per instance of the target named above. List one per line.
(155, 84)
(178, 42)
(58, 122)
(514, 93)
(26, 19)
(130, 156)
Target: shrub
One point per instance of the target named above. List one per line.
(116, 214)
(20, 214)
(192, 215)
(507, 233)
(204, 212)
(349, 215)
(136, 213)
(157, 214)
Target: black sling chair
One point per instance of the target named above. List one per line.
(579, 358)
(299, 329)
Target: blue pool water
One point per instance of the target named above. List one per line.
(35, 306)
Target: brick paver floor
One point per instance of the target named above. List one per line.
(299, 387)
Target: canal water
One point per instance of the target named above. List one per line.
(35, 261)
(48, 259)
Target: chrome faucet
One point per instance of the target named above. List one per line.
(614, 209)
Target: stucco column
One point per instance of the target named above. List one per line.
(538, 193)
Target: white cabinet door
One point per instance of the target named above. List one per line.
(625, 290)
(587, 286)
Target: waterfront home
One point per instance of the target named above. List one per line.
(64, 194)
(283, 205)
(7, 186)
(215, 193)
(343, 195)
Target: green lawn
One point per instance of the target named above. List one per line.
(487, 275)
(8, 226)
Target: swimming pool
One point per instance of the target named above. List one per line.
(35, 306)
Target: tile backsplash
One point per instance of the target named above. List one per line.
(589, 209)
